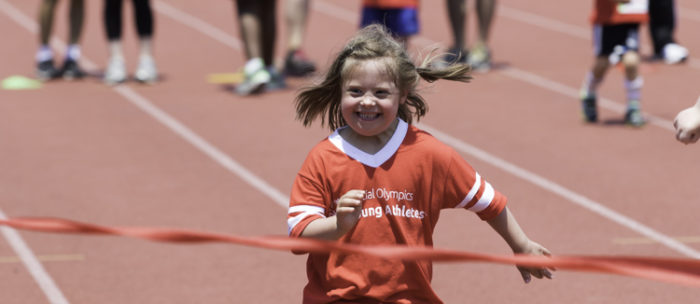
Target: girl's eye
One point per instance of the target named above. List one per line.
(381, 93)
(355, 91)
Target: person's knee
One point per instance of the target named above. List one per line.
(631, 59)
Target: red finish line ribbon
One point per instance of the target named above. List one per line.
(671, 270)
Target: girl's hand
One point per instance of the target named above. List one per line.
(348, 210)
(533, 248)
(687, 124)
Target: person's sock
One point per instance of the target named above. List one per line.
(73, 52)
(44, 53)
(634, 88)
(590, 85)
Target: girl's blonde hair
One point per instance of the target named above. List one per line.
(373, 42)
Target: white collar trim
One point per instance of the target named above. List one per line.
(372, 160)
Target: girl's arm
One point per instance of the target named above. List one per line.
(687, 124)
(348, 210)
(506, 225)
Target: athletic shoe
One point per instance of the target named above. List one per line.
(589, 107)
(674, 53)
(277, 81)
(297, 64)
(146, 71)
(45, 70)
(116, 71)
(633, 116)
(255, 78)
(453, 55)
(480, 59)
(71, 70)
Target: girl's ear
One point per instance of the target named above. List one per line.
(402, 98)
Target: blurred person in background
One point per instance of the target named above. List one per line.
(616, 39)
(662, 24)
(45, 68)
(479, 57)
(295, 61)
(400, 17)
(146, 70)
(257, 25)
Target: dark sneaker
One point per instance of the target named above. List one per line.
(633, 116)
(296, 64)
(45, 70)
(277, 81)
(590, 110)
(71, 70)
(455, 55)
(452, 56)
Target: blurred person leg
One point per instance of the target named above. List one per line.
(296, 63)
(633, 86)
(480, 53)
(257, 27)
(45, 68)
(662, 24)
(71, 69)
(457, 16)
(146, 71)
(116, 67)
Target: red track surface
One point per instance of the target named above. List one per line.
(85, 151)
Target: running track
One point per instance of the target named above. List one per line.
(186, 153)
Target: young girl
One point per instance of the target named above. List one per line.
(378, 180)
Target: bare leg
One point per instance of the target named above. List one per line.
(457, 15)
(485, 10)
(76, 19)
(296, 16)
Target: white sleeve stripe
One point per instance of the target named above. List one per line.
(485, 199)
(472, 192)
(306, 211)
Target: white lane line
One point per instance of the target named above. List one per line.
(31, 262)
(534, 178)
(203, 27)
(20, 247)
(204, 146)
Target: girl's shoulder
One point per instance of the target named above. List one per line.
(427, 143)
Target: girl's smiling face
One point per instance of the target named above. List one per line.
(370, 99)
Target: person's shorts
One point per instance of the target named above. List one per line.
(399, 21)
(607, 37)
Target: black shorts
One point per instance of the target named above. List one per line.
(607, 37)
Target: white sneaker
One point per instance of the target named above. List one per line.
(116, 71)
(146, 71)
(674, 53)
(256, 77)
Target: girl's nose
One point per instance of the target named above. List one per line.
(367, 101)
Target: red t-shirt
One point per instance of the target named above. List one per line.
(407, 183)
(609, 12)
